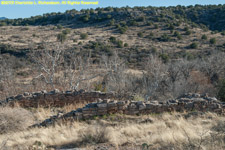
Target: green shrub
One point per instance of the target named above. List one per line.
(154, 50)
(3, 24)
(171, 27)
(85, 18)
(223, 33)
(112, 22)
(133, 23)
(109, 16)
(186, 29)
(83, 36)
(156, 26)
(59, 26)
(140, 34)
(99, 87)
(61, 37)
(122, 30)
(141, 19)
(112, 39)
(138, 98)
(212, 41)
(176, 33)
(188, 32)
(120, 44)
(221, 90)
(151, 34)
(149, 23)
(194, 45)
(66, 31)
(126, 45)
(179, 37)
(164, 57)
(204, 37)
(165, 38)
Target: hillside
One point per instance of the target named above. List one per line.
(175, 32)
(193, 34)
(114, 78)
(2, 18)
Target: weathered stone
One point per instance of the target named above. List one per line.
(121, 103)
(189, 105)
(37, 93)
(142, 107)
(106, 100)
(26, 94)
(196, 95)
(44, 91)
(69, 92)
(132, 106)
(112, 104)
(102, 105)
(155, 102)
(19, 97)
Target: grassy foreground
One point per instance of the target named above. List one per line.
(193, 130)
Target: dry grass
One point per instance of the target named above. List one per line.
(42, 113)
(14, 119)
(154, 131)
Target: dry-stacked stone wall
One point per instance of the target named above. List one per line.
(188, 102)
(54, 98)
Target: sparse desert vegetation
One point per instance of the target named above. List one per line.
(141, 54)
(155, 131)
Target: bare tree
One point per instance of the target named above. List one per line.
(155, 73)
(79, 70)
(48, 63)
(213, 66)
(7, 79)
(115, 76)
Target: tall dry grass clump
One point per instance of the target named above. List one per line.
(14, 119)
(166, 131)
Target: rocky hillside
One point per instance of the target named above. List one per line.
(192, 35)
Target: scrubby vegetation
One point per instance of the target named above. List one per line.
(144, 53)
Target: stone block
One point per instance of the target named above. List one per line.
(106, 100)
(112, 104)
(26, 94)
(102, 105)
(19, 97)
(121, 103)
(142, 107)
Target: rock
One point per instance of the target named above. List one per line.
(132, 106)
(102, 105)
(155, 102)
(26, 94)
(106, 100)
(142, 107)
(140, 103)
(99, 100)
(44, 91)
(196, 95)
(81, 91)
(56, 91)
(19, 97)
(112, 104)
(38, 93)
(172, 101)
(189, 105)
(121, 103)
(205, 95)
